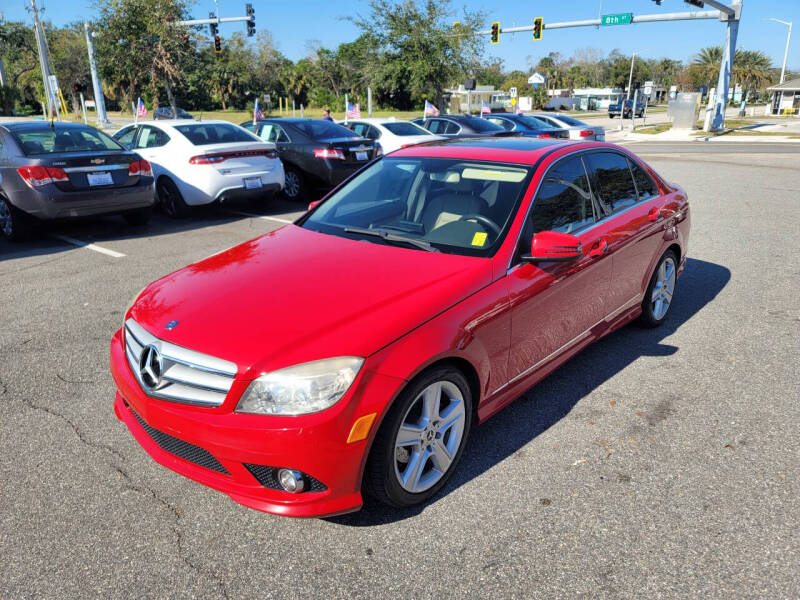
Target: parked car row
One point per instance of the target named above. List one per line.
(60, 170)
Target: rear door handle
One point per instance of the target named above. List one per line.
(600, 248)
(655, 214)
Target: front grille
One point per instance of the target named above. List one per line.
(185, 450)
(268, 477)
(184, 375)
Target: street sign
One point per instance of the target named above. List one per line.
(513, 92)
(618, 19)
(513, 102)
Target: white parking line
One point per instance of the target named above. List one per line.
(244, 214)
(88, 246)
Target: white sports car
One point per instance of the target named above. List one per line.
(200, 162)
(391, 133)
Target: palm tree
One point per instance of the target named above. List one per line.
(752, 69)
(707, 62)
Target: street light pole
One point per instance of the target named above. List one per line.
(788, 39)
(630, 77)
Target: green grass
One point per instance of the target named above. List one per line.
(653, 129)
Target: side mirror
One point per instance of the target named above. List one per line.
(314, 204)
(552, 246)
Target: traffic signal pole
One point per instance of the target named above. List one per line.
(729, 14)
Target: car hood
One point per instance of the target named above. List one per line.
(295, 295)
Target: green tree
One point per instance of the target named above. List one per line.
(141, 45)
(419, 55)
(70, 60)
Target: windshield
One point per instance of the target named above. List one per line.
(51, 140)
(405, 128)
(203, 134)
(570, 121)
(450, 205)
(323, 130)
(532, 122)
(482, 125)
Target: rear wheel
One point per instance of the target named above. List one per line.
(171, 199)
(138, 217)
(421, 439)
(14, 224)
(295, 186)
(660, 292)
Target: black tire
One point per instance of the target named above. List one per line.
(381, 475)
(295, 186)
(651, 315)
(171, 199)
(138, 217)
(610, 116)
(15, 225)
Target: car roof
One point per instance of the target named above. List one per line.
(517, 150)
(376, 120)
(34, 125)
(172, 122)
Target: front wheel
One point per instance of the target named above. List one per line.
(660, 292)
(421, 439)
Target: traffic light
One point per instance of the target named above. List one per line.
(696, 3)
(217, 44)
(496, 32)
(212, 26)
(538, 25)
(251, 24)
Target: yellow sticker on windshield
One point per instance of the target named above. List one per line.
(479, 239)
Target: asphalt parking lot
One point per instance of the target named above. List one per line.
(657, 463)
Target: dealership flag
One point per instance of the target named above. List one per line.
(485, 110)
(141, 110)
(258, 114)
(431, 110)
(353, 112)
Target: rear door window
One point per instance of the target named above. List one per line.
(613, 183)
(564, 202)
(451, 128)
(125, 136)
(204, 134)
(644, 183)
(151, 137)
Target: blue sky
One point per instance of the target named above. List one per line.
(294, 25)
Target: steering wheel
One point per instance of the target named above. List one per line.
(482, 220)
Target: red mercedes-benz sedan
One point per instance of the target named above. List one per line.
(353, 350)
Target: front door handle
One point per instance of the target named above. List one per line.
(599, 248)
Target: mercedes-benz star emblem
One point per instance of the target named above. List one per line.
(150, 367)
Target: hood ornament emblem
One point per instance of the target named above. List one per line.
(171, 325)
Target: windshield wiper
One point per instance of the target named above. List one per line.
(391, 237)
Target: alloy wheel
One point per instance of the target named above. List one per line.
(663, 289)
(292, 184)
(429, 436)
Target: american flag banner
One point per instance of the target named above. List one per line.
(431, 110)
(258, 114)
(353, 112)
(141, 109)
(485, 110)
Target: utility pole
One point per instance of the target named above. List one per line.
(49, 93)
(630, 77)
(97, 87)
(785, 54)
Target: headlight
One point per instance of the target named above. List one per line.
(301, 389)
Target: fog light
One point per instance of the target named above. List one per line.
(291, 480)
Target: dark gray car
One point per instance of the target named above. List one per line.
(61, 170)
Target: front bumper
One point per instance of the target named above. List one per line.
(314, 444)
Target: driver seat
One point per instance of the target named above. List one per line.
(452, 203)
